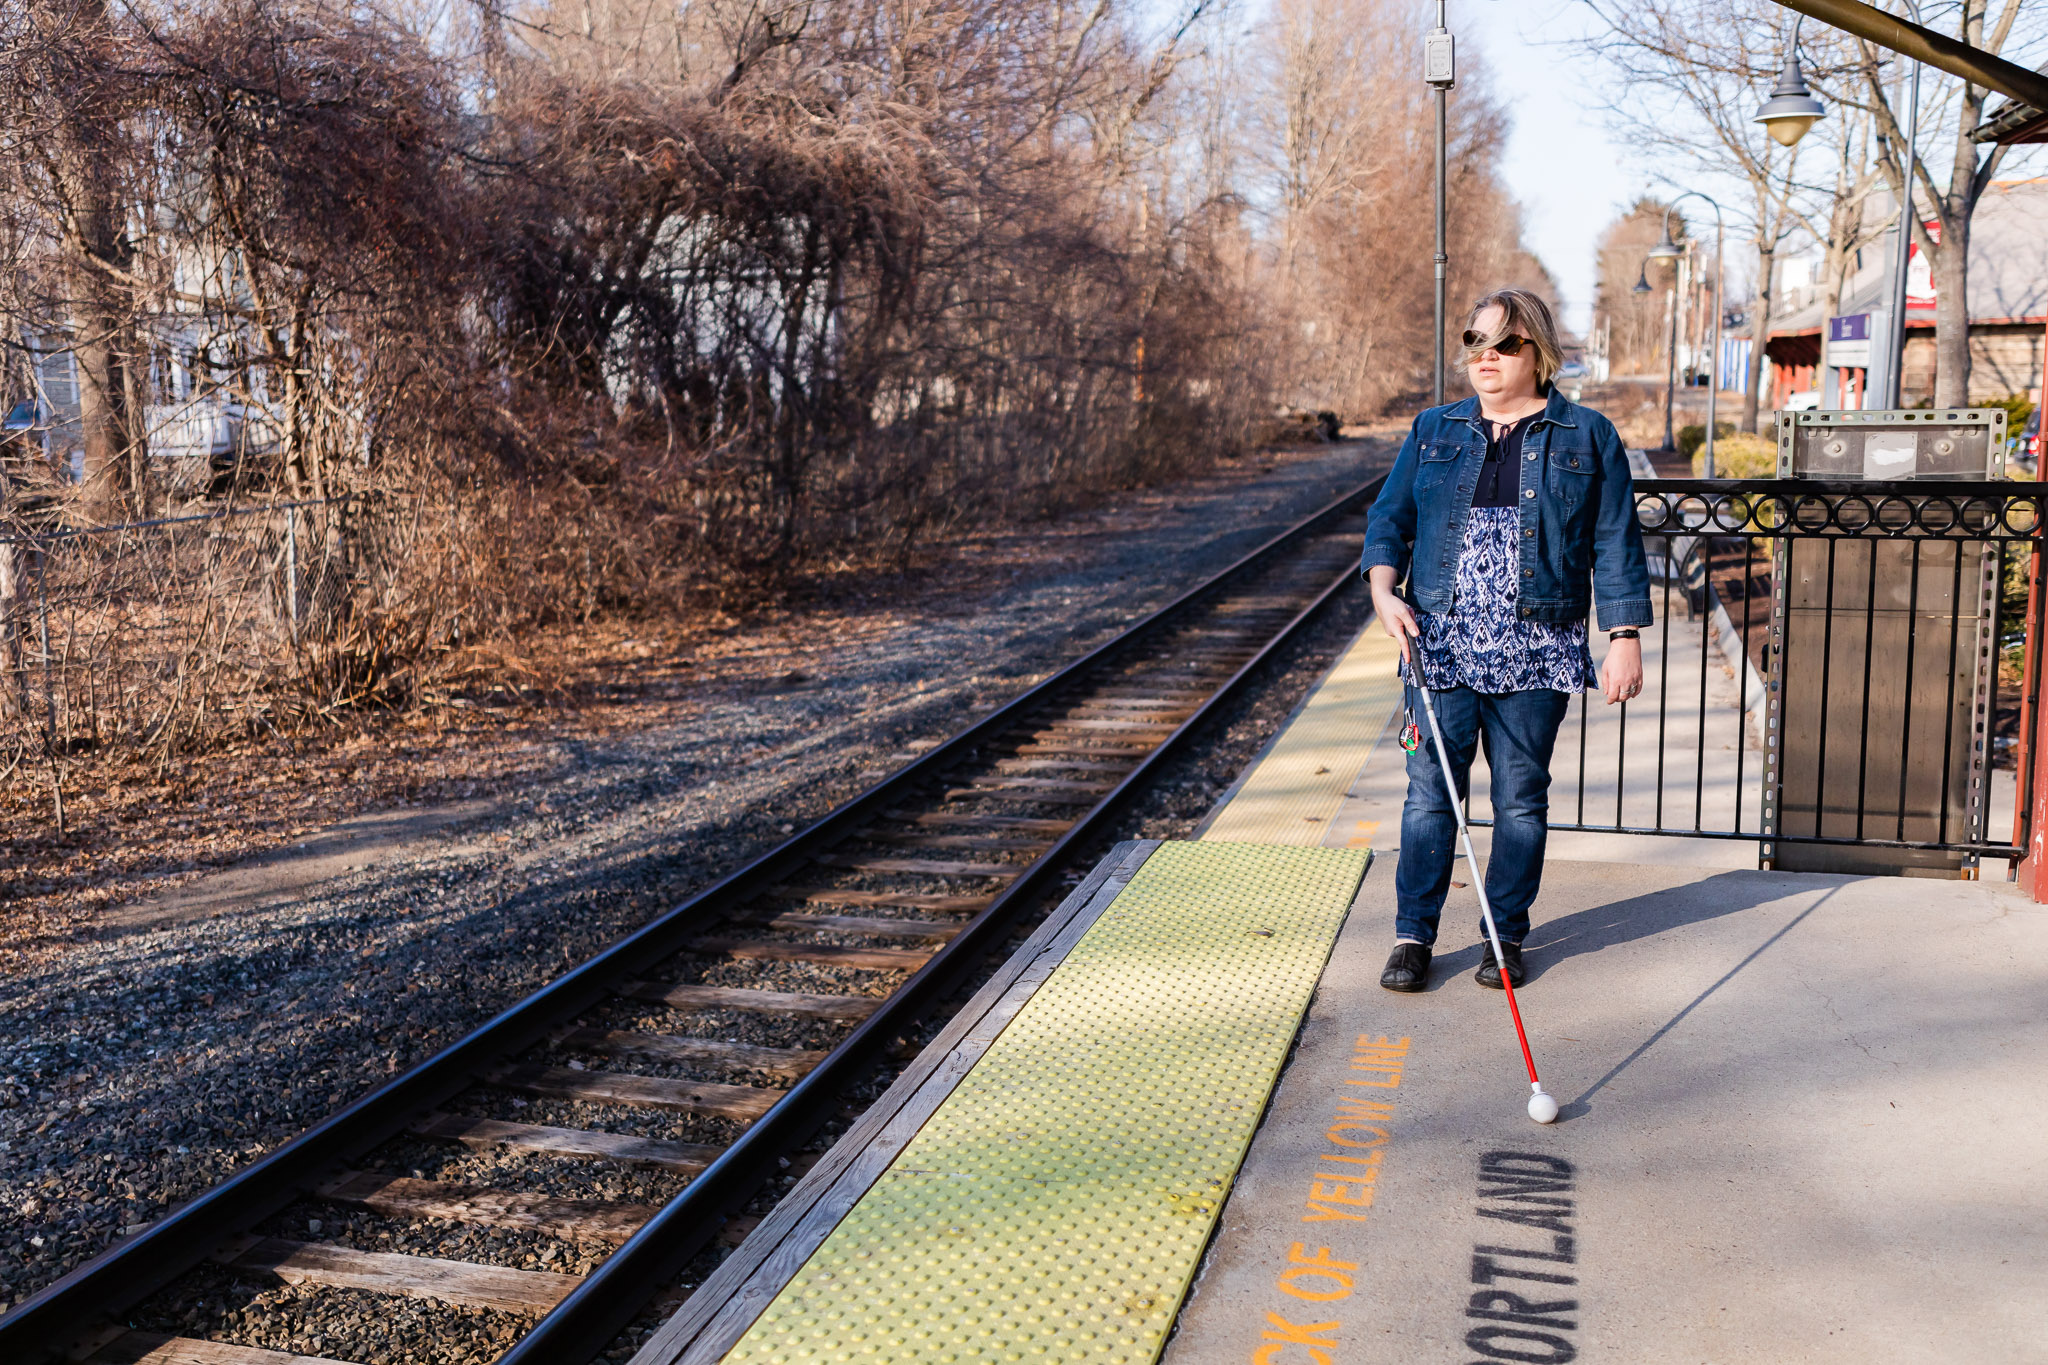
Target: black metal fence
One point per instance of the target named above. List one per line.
(1832, 664)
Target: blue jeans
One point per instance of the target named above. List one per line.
(1520, 729)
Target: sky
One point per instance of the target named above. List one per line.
(1567, 172)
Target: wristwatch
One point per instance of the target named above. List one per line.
(1625, 633)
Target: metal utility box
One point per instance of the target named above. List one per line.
(1882, 643)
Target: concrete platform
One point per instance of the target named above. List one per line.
(1046, 1175)
(1802, 1121)
(1802, 1116)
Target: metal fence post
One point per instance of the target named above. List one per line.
(49, 687)
(2030, 801)
(291, 569)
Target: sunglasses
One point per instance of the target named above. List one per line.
(1507, 345)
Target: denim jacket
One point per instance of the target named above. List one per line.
(1580, 541)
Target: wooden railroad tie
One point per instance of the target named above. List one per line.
(528, 1292)
(687, 1157)
(397, 1196)
(828, 954)
(938, 929)
(926, 867)
(743, 1102)
(899, 900)
(787, 1062)
(850, 1008)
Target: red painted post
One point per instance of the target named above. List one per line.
(2030, 807)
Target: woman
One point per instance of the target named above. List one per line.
(1508, 514)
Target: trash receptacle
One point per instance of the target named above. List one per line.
(1882, 648)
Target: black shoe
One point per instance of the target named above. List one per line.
(1488, 974)
(1407, 968)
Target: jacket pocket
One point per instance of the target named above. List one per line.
(1571, 477)
(1436, 463)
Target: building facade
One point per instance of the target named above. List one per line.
(1822, 357)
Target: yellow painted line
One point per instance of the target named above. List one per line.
(1297, 787)
(1057, 1204)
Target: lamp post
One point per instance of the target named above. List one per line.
(1890, 391)
(1786, 116)
(1666, 250)
(1642, 286)
(1440, 72)
(1791, 109)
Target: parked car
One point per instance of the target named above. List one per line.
(2028, 456)
(1573, 369)
(1806, 400)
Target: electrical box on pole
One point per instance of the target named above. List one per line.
(1439, 60)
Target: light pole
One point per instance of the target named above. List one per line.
(1890, 393)
(1440, 72)
(1666, 250)
(1791, 109)
(1642, 286)
(1639, 288)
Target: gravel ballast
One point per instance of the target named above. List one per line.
(141, 1068)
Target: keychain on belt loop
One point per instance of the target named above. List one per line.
(1411, 733)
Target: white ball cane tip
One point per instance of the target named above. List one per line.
(1542, 1108)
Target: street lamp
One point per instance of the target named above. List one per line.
(1889, 391)
(1440, 73)
(1667, 250)
(1791, 109)
(1642, 286)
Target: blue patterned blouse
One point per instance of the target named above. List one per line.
(1481, 643)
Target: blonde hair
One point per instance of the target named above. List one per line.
(1525, 314)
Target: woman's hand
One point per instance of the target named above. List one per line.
(1621, 672)
(1395, 616)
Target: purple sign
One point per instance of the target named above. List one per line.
(1851, 327)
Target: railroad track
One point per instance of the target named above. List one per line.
(864, 924)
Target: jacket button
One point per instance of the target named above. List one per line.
(1525, 611)
(1530, 458)
(1529, 534)
(1528, 492)
(1528, 573)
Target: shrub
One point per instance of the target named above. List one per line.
(2018, 408)
(1692, 437)
(1738, 455)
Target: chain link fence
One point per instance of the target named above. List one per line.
(151, 635)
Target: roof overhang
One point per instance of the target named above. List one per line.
(2019, 120)
(2012, 122)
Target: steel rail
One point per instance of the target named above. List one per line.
(595, 1312)
(61, 1318)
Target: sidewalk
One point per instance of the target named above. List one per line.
(1802, 1122)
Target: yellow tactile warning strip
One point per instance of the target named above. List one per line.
(1294, 792)
(1056, 1205)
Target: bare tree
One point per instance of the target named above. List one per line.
(1839, 222)
(613, 305)
(1971, 170)
(77, 92)
(1345, 154)
(1636, 323)
(1692, 67)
